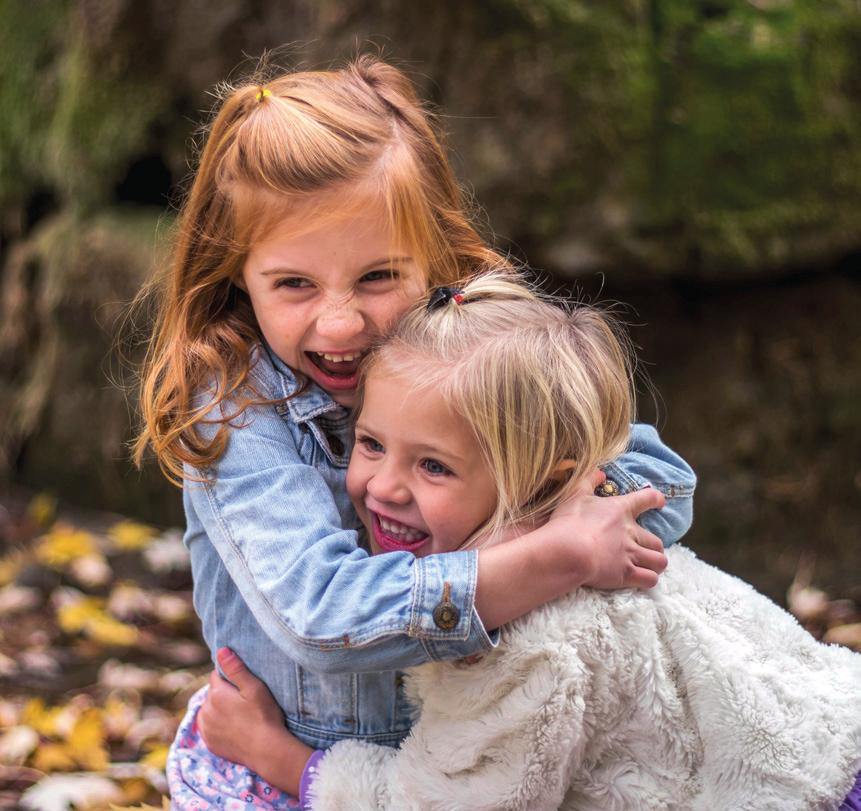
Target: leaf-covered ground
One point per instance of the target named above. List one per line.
(100, 651)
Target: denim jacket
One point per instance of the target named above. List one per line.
(280, 576)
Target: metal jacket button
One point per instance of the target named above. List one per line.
(446, 615)
(608, 488)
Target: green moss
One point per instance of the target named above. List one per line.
(31, 37)
(72, 113)
(104, 116)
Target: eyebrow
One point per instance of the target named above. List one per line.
(389, 260)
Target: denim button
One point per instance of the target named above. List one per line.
(445, 615)
(608, 488)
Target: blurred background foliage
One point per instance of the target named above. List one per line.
(698, 159)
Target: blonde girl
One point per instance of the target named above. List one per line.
(322, 208)
(700, 694)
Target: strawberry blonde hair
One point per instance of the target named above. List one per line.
(544, 385)
(331, 139)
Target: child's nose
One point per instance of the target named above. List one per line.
(340, 323)
(386, 485)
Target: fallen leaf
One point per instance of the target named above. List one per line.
(167, 554)
(86, 742)
(39, 660)
(165, 806)
(171, 608)
(91, 570)
(8, 667)
(69, 713)
(111, 632)
(86, 615)
(63, 544)
(135, 789)
(53, 757)
(157, 757)
(118, 676)
(127, 771)
(121, 710)
(59, 792)
(10, 566)
(155, 724)
(16, 599)
(41, 718)
(16, 744)
(175, 680)
(128, 601)
(73, 615)
(130, 535)
(42, 509)
(10, 712)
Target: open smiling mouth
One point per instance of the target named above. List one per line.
(392, 536)
(338, 366)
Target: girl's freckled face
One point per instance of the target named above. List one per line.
(321, 296)
(416, 476)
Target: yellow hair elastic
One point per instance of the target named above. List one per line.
(263, 93)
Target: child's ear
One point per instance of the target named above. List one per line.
(240, 282)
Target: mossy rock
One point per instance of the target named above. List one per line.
(67, 396)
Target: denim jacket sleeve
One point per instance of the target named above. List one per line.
(327, 604)
(648, 462)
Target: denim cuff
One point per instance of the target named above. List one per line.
(442, 614)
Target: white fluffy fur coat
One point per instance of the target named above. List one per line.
(700, 694)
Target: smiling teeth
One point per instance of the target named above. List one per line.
(339, 358)
(400, 531)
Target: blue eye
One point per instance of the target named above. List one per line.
(435, 468)
(370, 444)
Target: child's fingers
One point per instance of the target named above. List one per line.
(646, 499)
(649, 559)
(216, 682)
(235, 671)
(595, 479)
(643, 579)
(649, 540)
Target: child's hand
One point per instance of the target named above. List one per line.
(610, 547)
(243, 723)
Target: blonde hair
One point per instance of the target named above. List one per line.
(332, 138)
(545, 386)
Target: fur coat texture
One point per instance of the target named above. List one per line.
(700, 694)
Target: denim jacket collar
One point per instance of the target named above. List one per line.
(308, 405)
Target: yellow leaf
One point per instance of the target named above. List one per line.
(63, 544)
(87, 616)
(108, 631)
(86, 742)
(10, 565)
(42, 509)
(74, 616)
(135, 789)
(53, 757)
(157, 757)
(130, 535)
(165, 806)
(36, 715)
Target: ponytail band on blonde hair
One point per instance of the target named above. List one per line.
(263, 93)
(443, 295)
